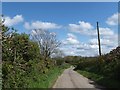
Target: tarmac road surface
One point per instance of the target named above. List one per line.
(72, 79)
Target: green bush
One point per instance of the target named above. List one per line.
(18, 51)
(107, 65)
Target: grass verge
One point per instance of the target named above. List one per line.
(101, 80)
(46, 80)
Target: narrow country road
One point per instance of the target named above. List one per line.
(72, 79)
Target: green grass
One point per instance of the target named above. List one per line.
(101, 80)
(45, 80)
(0, 76)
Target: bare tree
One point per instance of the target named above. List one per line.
(47, 42)
(58, 54)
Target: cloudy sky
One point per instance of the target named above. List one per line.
(73, 23)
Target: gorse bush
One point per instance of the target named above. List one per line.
(73, 60)
(21, 57)
(107, 65)
(22, 60)
(17, 50)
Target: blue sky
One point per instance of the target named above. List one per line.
(74, 23)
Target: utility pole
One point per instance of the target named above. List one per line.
(99, 39)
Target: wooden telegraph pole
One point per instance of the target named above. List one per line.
(99, 39)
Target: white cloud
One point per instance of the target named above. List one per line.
(109, 40)
(81, 49)
(90, 48)
(103, 42)
(86, 49)
(106, 31)
(70, 35)
(108, 37)
(86, 28)
(82, 46)
(41, 25)
(103, 32)
(72, 46)
(13, 21)
(107, 44)
(82, 27)
(113, 20)
(113, 37)
(27, 25)
(71, 39)
(68, 50)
